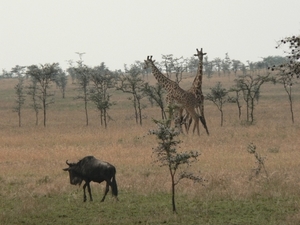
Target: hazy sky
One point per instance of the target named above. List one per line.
(120, 32)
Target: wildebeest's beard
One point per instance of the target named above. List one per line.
(74, 178)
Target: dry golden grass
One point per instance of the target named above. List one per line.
(34, 156)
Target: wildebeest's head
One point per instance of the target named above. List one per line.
(75, 177)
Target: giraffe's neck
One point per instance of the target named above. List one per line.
(161, 79)
(198, 79)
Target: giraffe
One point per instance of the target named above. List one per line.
(186, 100)
(196, 89)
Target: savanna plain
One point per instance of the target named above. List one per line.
(35, 190)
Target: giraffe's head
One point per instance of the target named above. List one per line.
(200, 54)
(148, 62)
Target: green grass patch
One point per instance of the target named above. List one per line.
(146, 209)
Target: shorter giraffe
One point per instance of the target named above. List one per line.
(175, 93)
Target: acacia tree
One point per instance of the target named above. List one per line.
(251, 66)
(226, 64)
(32, 92)
(167, 155)
(236, 99)
(218, 65)
(289, 70)
(167, 63)
(44, 76)
(132, 83)
(6, 74)
(250, 87)
(156, 94)
(236, 65)
(174, 66)
(179, 66)
(83, 79)
(219, 96)
(101, 79)
(20, 95)
(192, 65)
(61, 81)
(208, 67)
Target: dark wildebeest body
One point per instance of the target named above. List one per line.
(91, 169)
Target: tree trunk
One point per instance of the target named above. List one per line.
(86, 113)
(140, 113)
(19, 114)
(252, 110)
(104, 117)
(221, 117)
(173, 192)
(44, 108)
(36, 117)
(291, 104)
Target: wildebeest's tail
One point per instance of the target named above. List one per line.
(114, 186)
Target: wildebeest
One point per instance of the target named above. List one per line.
(91, 169)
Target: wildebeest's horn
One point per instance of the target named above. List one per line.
(68, 163)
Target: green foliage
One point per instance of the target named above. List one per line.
(250, 86)
(292, 65)
(82, 73)
(226, 64)
(156, 94)
(61, 81)
(44, 75)
(19, 88)
(102, 79)
(33, 93)
(219, 96)
(167, 155)
(131, 82)
(174, 66)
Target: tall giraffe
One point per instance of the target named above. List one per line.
(196, 89)
(185, 99)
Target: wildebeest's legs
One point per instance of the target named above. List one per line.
(89, 189)
(84, 195)
(106, 191)
(87, 184)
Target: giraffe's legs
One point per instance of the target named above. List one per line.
(195, 116)
(185, 120)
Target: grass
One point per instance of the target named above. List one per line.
(154, 208)
(34, 189)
